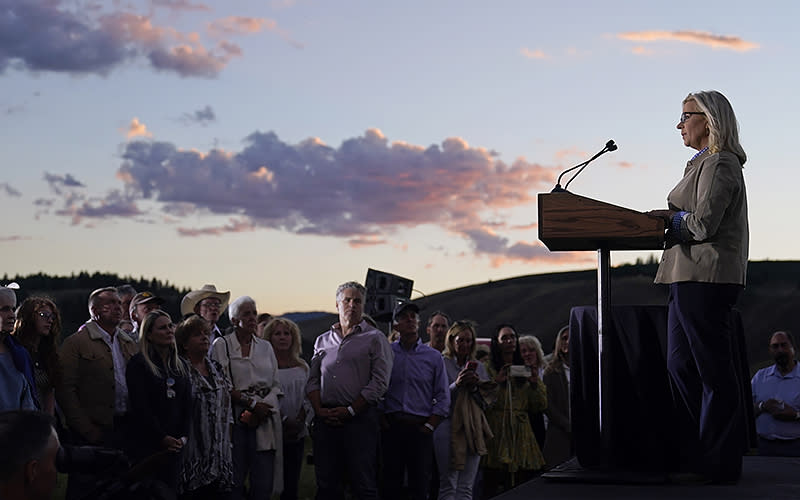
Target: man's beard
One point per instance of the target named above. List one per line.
(782, 358)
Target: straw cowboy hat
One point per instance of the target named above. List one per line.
(195, 296)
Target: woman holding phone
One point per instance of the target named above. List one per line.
(514, 456)
(465, 374)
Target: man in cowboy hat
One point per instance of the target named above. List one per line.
(207, 303)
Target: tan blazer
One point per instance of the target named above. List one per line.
(713, 193)
(87, 390)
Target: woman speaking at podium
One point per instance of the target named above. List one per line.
(705, 263)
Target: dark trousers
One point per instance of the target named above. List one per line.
(407, 453)
(348, 451)
(700, 364)
(292, 463)
(249, 462)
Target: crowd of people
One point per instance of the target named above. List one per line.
(225, 414)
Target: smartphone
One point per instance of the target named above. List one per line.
(472, 365)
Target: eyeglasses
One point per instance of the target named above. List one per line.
(211, 304)
(46, 315)
(686, 114)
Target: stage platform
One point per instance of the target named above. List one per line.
(762, 478)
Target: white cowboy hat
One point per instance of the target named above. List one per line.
(192, 298)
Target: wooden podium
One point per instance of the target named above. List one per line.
(568, 222)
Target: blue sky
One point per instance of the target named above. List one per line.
(279, 148)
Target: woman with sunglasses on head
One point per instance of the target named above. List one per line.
(457, 453)
(705, 264)
(37, 329)
(160, 399)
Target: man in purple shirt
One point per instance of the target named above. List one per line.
(418, 398)
(349, 374)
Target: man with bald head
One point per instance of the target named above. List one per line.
(776, 396)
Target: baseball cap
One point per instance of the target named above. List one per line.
(402, 306)
(144, 298)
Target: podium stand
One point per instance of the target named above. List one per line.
(568, 222)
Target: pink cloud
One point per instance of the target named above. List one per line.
(234, 226)
(366, 242)
(365, 190)
(14, 237)
(533, 53)
(137, 129)
(526, 227)
(41, 35)
(690, 36)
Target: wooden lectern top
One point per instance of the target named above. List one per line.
(571, 222)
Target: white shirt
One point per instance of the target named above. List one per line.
(121, 387)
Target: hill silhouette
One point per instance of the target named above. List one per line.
(536, 304)
(539, 304)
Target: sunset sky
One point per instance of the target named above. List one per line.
(278, 148)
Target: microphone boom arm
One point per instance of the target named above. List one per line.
(610, 146)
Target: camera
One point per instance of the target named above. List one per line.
(520, 371)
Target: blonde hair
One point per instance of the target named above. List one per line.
(723, 128)
(173, 363)
(297, 340)
(450, 339)
(557, 361)
(534, 342)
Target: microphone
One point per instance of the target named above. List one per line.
(610, 146)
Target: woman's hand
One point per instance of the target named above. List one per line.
(292, 428)
(466, 377)
(172, 444)
(665, 215)
(502, 375)
(262, 410)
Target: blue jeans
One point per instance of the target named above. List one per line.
(453, 484)
(246, 459)
(700, 364)
(349, 451)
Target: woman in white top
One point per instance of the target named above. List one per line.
(257, 434)
(284, 335)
